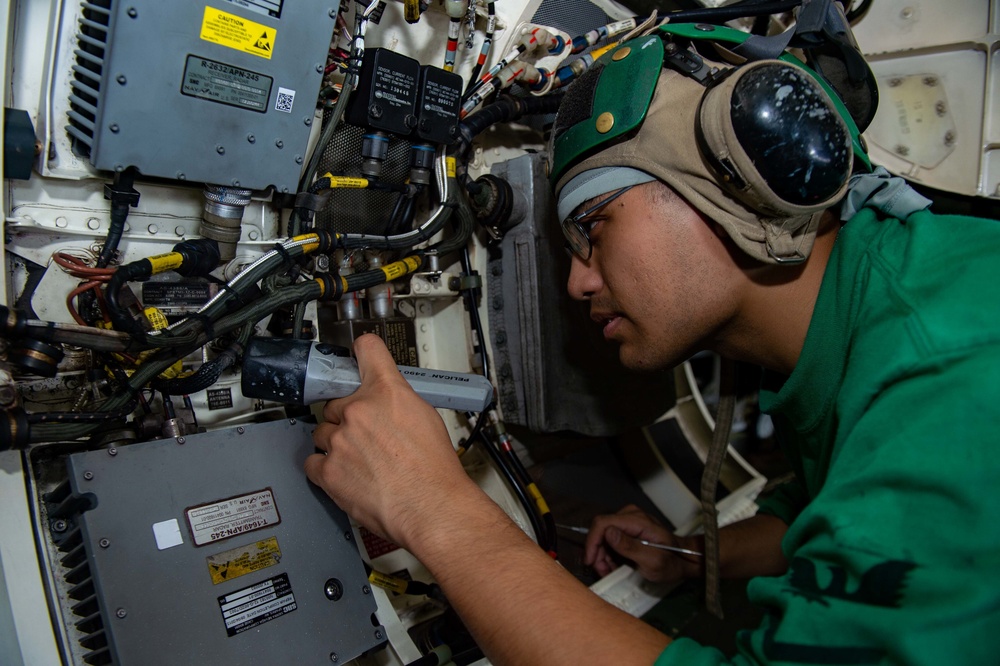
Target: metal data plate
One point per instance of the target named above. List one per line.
(219, 550)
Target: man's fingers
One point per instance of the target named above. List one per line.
(374, 359)
(321, 435)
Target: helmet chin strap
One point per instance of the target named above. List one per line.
(710, 481)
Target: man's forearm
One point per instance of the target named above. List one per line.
(520, 605)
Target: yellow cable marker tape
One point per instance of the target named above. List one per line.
(400, 268)
(157, 319)
(165, 262)
(387, 582)
(238, 33)
(311, 247)
(348, 181)
(543, 507)
(452, 165)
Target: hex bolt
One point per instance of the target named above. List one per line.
(366, 589)
(59, 525)
(121, 612)
(112, 451)
(114, 128)
(104, 543)
(132, 13)
(241, 430)
(121, 79)
(251, 138)
(88, 476)
(181, 440)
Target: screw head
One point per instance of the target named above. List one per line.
(291, 421)
(375, 111)
(378, 634)
(220, 149)
(307, 121)
(241, 430)
(121, 79)
(59, 525)
(333, 589)
(332, 14)
(181, 175)
(112, 451)
(333, 655)
(348, 536)
(410, 121)
(104, 543)
(319, 68)
(132, 13)
(114, 128)
(181, 440)
(298, 159)
(279, 143)
(366, 589)
(121, 612)
(89, 476)
(251, 138)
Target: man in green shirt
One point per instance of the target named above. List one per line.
(694, 227)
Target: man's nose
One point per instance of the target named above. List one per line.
(584, 278)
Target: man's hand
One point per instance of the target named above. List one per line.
(388, 460)
(620, 533)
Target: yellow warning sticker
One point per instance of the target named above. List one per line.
(238, 33)
(243, 560)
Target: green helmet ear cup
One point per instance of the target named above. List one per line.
(593, 116)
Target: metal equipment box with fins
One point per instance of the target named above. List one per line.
(213, 548)
(221, 93)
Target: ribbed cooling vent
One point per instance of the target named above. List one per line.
(67, 507)
(92, 42)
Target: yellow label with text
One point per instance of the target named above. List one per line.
(387, 582)
(243, 560)
(451, 164)
(398, 269)
(238, 33)
(165, 262)
(348, 181)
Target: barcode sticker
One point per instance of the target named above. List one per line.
(284, 100)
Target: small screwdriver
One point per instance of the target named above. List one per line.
(661, 546)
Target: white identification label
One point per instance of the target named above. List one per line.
(232, 517)
(167, 534)
(254, 605)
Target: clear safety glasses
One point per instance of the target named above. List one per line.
(576, 229)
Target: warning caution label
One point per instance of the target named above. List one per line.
(238, 33)
(243, 560)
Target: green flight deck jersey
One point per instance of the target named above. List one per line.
(891, 419)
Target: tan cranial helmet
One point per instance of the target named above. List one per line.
(761, 149)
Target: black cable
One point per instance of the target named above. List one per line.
(470, 295)
(730, 12)
(510, 476)
(859, 11)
